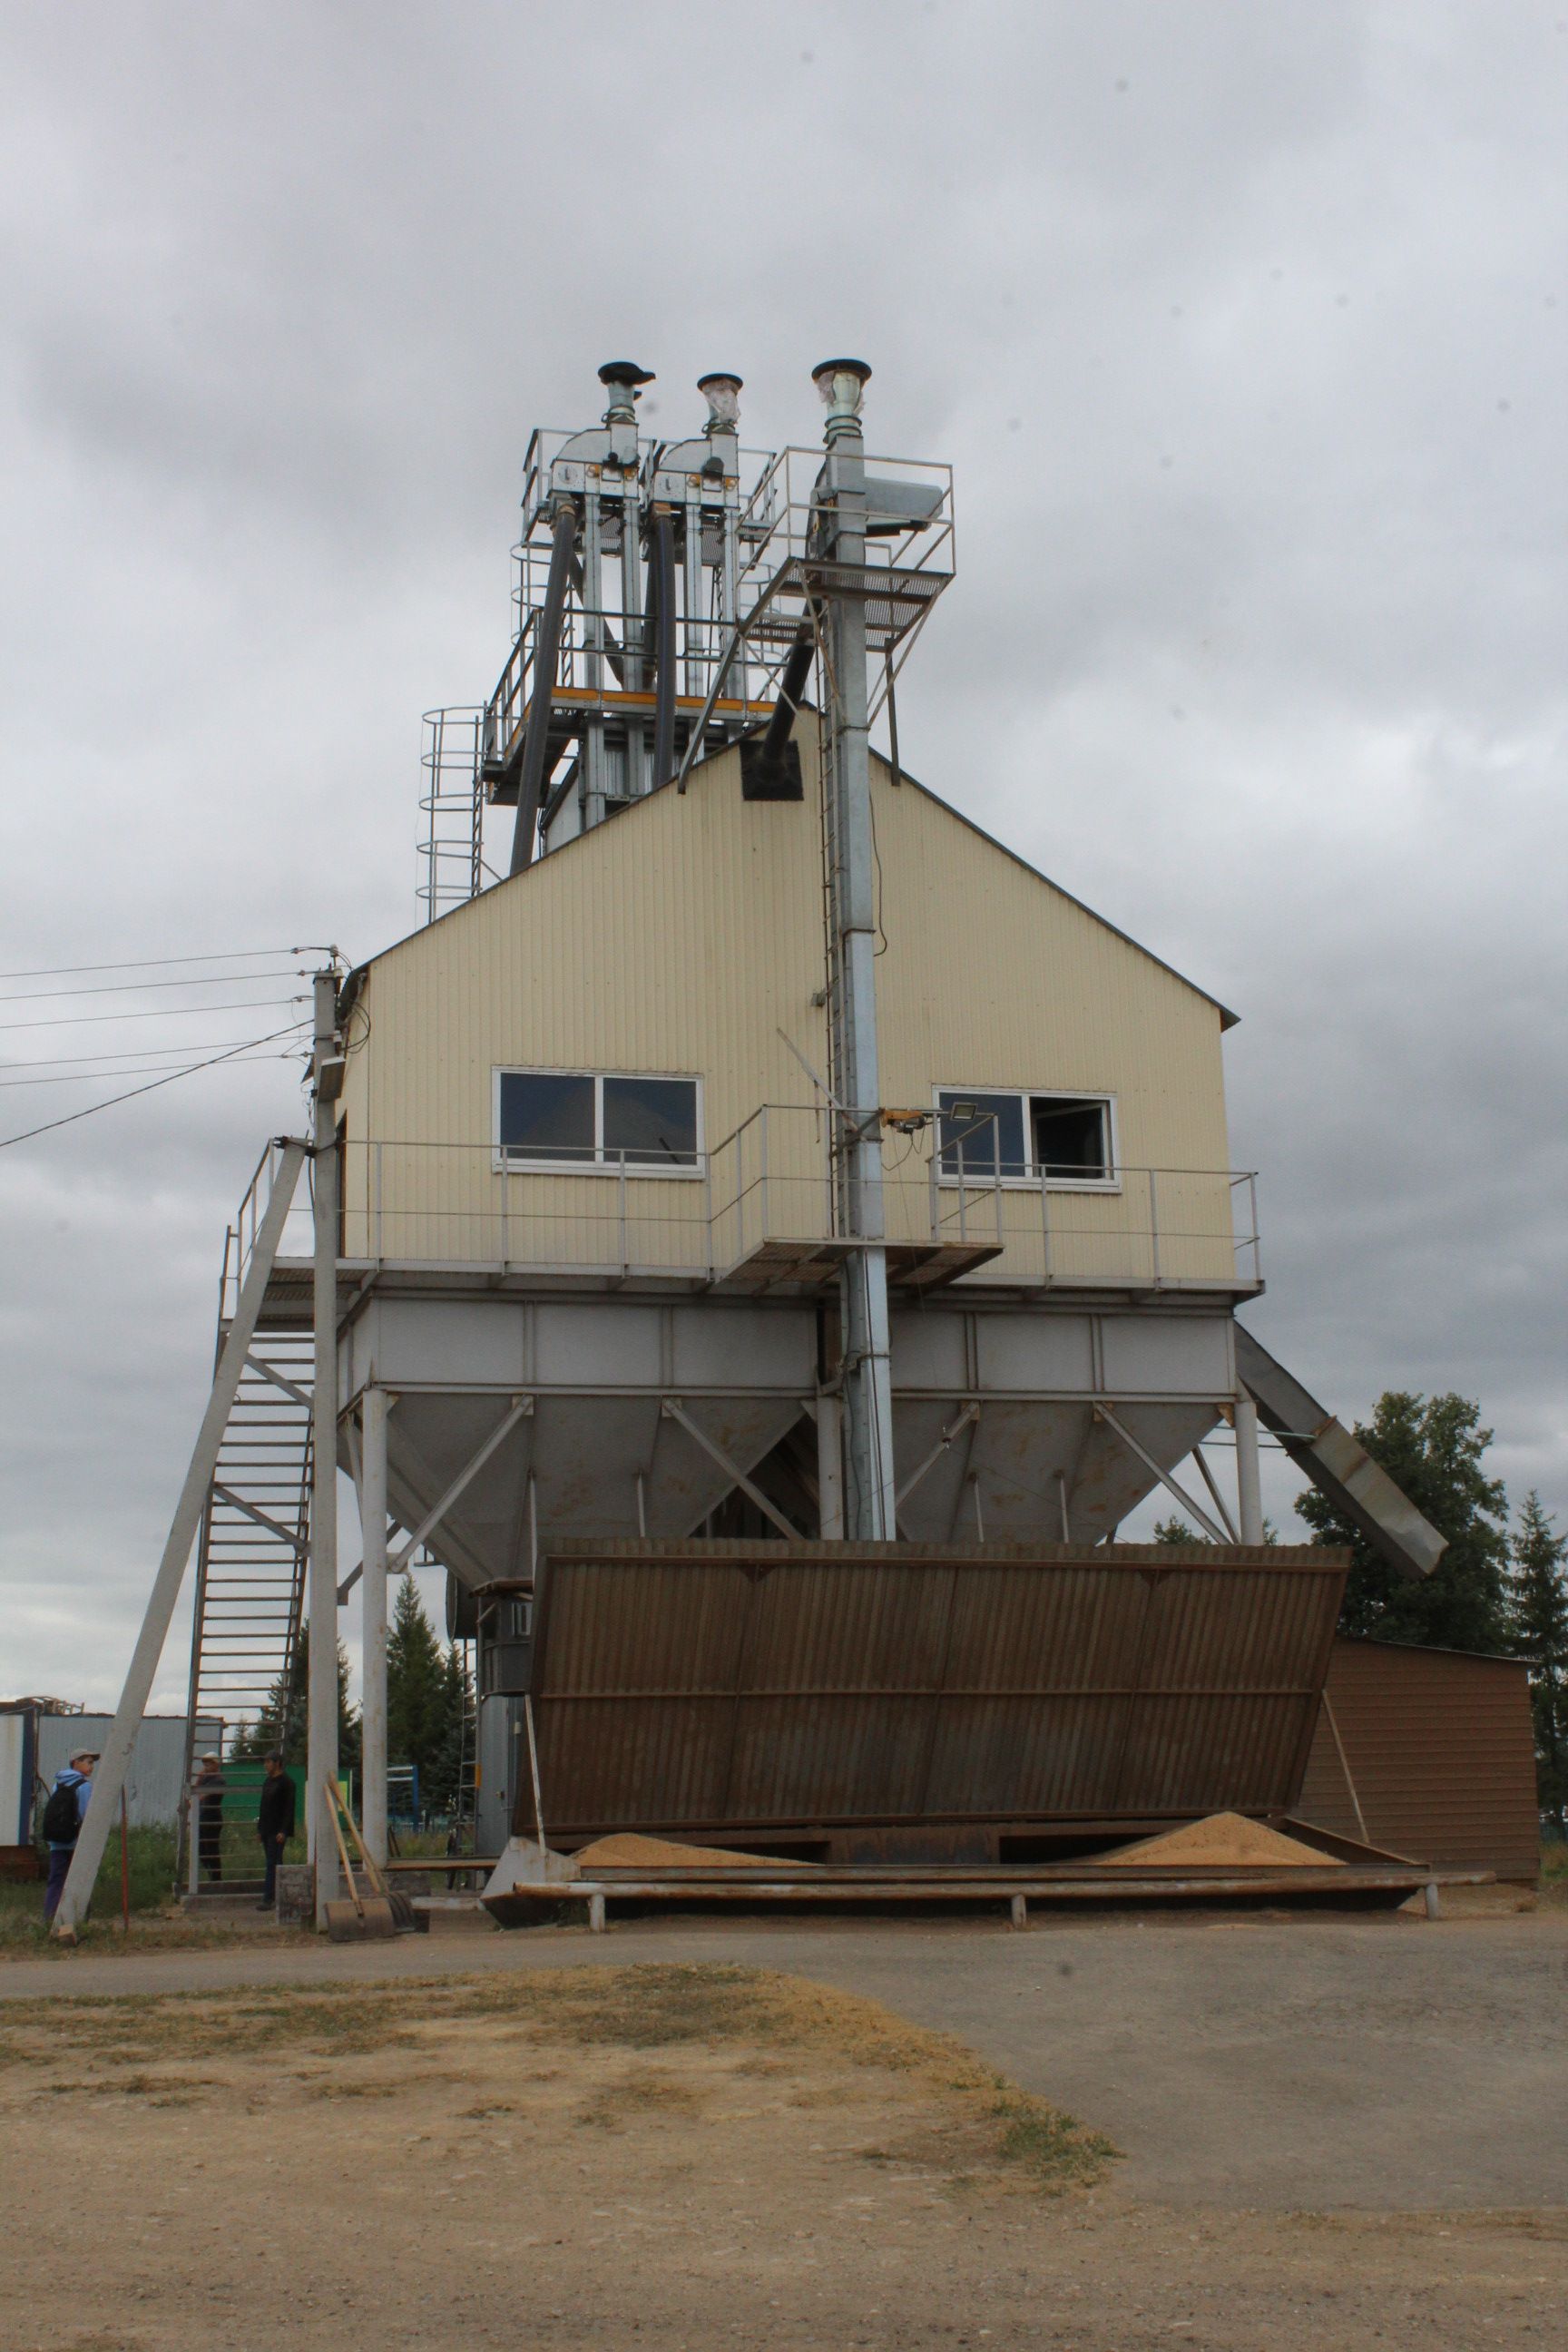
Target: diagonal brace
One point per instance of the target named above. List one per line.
(290, 1535)
(406, 1550)
(971, 1412)
(270, 1372)
(670, 1408)
(1103, 1413)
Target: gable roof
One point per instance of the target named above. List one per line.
(628, 815)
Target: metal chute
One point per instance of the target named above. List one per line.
(1338, 1464)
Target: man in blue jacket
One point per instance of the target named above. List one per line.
(74, 1782)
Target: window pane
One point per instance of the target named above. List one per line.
(976, 1128)
(544, 1116)
(1071, 1136)
(651, 1120)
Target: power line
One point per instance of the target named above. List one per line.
(151, 1088)
(128, 1054)
(169, 1013)
(128, 987)
(150, 963)
(86, 1078)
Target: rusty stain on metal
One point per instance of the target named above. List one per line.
(686, 1684)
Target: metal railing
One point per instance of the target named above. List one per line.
(239, 1238)
(585, 1212)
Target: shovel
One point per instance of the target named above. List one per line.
(359, 1920)
(402, 1910)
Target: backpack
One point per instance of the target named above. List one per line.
(62, 1820)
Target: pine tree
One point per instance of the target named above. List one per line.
(1538, 1613)
(457, 1710)
(1433, 1449)
(1176, 1531)
(416, 1701)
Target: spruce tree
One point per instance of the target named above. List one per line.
(416, 1705)
(454, 1749)
(1433, 1449)
(1538, 1612)
(281, 1727)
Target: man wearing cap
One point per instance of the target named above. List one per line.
(209, 1788)
(75, 1780)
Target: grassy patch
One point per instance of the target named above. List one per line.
(766, 2018)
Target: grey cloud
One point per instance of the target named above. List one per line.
(1244, 329)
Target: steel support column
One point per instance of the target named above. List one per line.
(322, 1697)
(373, 1619)
(1248, 1486)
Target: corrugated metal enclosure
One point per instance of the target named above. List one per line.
(737, 1686)
(155, 1782)
(1437, 1751)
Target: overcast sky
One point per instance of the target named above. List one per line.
(1243, 327)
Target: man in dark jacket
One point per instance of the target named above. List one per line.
(274, 1823)
(76, 1777)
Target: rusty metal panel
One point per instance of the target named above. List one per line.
(691, 1684)
(1441, 1753)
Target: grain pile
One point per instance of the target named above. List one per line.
(627, 1850)
(1223, 1842)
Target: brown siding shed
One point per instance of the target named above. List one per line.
(1441, 1751)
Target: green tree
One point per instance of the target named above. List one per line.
(1537, 1615)
(1433, 1449)
(1176, 1531)
(417, 1700)
(281, 1727)
(446, 1782)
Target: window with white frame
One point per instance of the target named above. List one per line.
(590, 1120)
(986, 1134)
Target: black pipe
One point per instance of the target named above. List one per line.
(661, 637)
(546, 653)
(791, 686)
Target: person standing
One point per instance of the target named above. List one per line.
(62, 1823)
(209, 1788)
(274, 1823)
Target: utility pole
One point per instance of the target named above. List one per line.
(373, 1619)
(1248, 1487)
(321, 1753)
(869, 1510)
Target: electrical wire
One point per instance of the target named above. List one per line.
(151, 963)
(125, 1054)
(86, 1078)
(167, 1012)
(151, 1088)
(129, 987)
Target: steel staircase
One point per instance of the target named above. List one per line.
(255, 1532)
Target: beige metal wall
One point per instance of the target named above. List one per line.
(683, 937)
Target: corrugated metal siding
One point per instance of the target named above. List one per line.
(1442, 1753)
(682, 938)
(154, 1783)
(726, 1682)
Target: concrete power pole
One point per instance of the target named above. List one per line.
(322, 1769)
(869, 1510)
(372, 1622)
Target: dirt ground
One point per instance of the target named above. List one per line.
(662, 2154)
